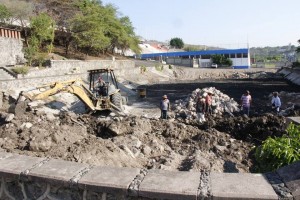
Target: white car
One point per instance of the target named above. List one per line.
(214, 65)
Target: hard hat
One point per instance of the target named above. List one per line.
(165, 96)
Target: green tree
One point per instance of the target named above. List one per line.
(89, 27)
(4, 13)
(42, 30)
(41, 38)
(177, 43)
(221, 60)
(99, 29)
(129, 39)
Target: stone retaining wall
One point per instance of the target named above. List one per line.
(67, 70)
(24, 177)
(11, 51)
(290, 74)
(63, 67)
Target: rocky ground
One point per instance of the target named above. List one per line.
(138, 138)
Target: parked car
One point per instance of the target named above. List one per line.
(214, 65)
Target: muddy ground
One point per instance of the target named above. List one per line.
(142, 140)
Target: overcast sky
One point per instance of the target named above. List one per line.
(227, 23)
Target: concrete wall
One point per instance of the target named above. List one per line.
(11, 51)
(67, 70)
(63, 67)
(24, 177)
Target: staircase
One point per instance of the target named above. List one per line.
(4, 75)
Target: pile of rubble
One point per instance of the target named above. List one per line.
(239, 75)
(221, 103)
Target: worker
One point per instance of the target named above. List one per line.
(246, 101)
(200, 109)
(276, 103)
(164, 107)
(101, 87)
(208, 102)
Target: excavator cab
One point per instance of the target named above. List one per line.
(102, 82)
(104, 86)
(96, 98)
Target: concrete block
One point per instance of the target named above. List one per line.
(295, 120)
(291, 177)
(240, 186)
(56, 172)
(13, 165)
(108, 179)
(170, 185)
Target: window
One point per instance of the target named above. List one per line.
(205, 56)
(245, 55)
(232, 55)
(238, 55)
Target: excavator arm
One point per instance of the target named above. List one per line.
(75, 87)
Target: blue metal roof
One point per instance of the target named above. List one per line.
(194, 53)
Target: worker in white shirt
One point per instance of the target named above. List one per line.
(276, 103)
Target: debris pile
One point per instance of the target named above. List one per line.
(221, 103)
(239, 75)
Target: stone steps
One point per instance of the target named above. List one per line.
(5, 76)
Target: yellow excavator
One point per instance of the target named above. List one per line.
(102, 93)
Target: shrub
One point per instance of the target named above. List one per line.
(143, 69)
(21, 70)
(40, 59)
(279, 151)
(159, 67)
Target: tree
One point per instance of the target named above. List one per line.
(221, 60)
(89, 27)
(42, 29)
(20, 13)
(41, 38)
(4, 13)
(99, 29)
(177, 43)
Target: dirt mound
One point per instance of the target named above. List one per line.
(130, 142)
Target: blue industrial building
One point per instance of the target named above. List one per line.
(202, 59)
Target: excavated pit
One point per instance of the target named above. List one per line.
(222, 144)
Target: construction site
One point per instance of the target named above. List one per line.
(60, 126)
(58, 112)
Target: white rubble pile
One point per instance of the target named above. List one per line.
(220, 103)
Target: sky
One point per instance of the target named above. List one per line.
(222, 23)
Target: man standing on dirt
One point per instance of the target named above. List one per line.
(164, 107)
(276, 103)
(208, 102)
(200, 109)
(245, 102)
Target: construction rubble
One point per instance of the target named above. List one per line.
(221, 103)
